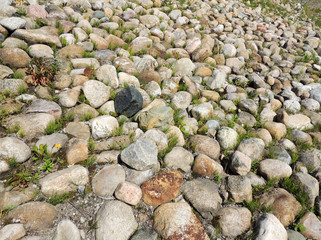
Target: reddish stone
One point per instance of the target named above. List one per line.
(162, 188)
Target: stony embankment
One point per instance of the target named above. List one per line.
(159, 119)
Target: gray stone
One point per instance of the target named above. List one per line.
(156, 117)
(158, 137)
(34, 36)
(269, 227)
(67, 230)
(12, 231)
(96, 92)
(204, 195)
(309, 184)
(69, 97)
(179, 158)
(106, 180)
(281, 154)
(316, 94)
(181, 100)
(234, 221)
(32, 125)
(41, 51)
(115, 220)
(294, 235)
(203, 111)
(45, 106)
(227, 137)
(140, 155)
(128, 101)
(184, 67)
(103, 126)
(13, 23)
(218, 79)
(252, 147)
(5, 71)
(144, 235)
(271, 168)
(108, 75)
(54, 142)
(240, 163)
(240, 188)
(11, 147)
(12, 85)
(64, 181)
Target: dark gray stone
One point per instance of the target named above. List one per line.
(144, 235)
(280, 154)
(128, 101)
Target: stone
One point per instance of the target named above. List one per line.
(179, 158)
(106, 180)
(129, 193)
(34, 36)
(269, 227)
(81, 111)
(115, 220)
(149, 20)
(140, 43)
(184, 67)
(76, 150)
(162, 188)
(11, 147)
(9, 199)
(45, 106)
(277, 130)
(218, 79)
(12, 85)
(5, 71)
(144, 235)
(227, 137)
(294, 235)
(41, 51)
(66, 229)
(110, 157)
(281, 154)
(70, 52)
(96, 92)
(12, 231)
(240, 163)
(13, 23)
(312, 226)
(156, 117)
(177, 221)
(78, 130)
(204, 196)
(203, 111)
(54, 142)
(272, 168)
(32, 125)
(299, 122)
(64, 181)
(234, 221)
(128, 101)
(309, 185)
(69, 97)
(103, 126)
(85, 62)
(35, 11)
(181, 100)
(228, 50)
(108, 75)
(35, 216)
(158, 137)
(284, 205)
(316, 94)
(252, 147)
(240, 188)
(207, 167)
(205, 145)
(140, 155)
